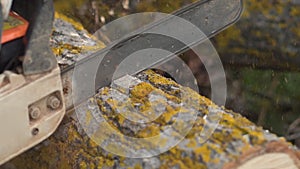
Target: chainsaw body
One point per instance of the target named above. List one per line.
(31, 97)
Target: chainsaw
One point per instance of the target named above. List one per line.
(36, 91)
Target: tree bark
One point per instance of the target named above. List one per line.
(235, 143)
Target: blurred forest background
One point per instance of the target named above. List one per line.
(260, 54)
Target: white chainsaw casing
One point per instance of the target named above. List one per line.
(20, 127)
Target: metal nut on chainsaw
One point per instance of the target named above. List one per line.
(53, 102)
(34, 113)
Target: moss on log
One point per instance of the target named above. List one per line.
(70, 40)
(236, 142)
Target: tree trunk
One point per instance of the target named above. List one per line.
(235, 143)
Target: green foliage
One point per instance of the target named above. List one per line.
(275, 94)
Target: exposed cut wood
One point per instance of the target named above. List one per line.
(271, 160)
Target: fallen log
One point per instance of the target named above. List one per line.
(235, 143)
(217, 138)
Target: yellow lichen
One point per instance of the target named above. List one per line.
(76, 24)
